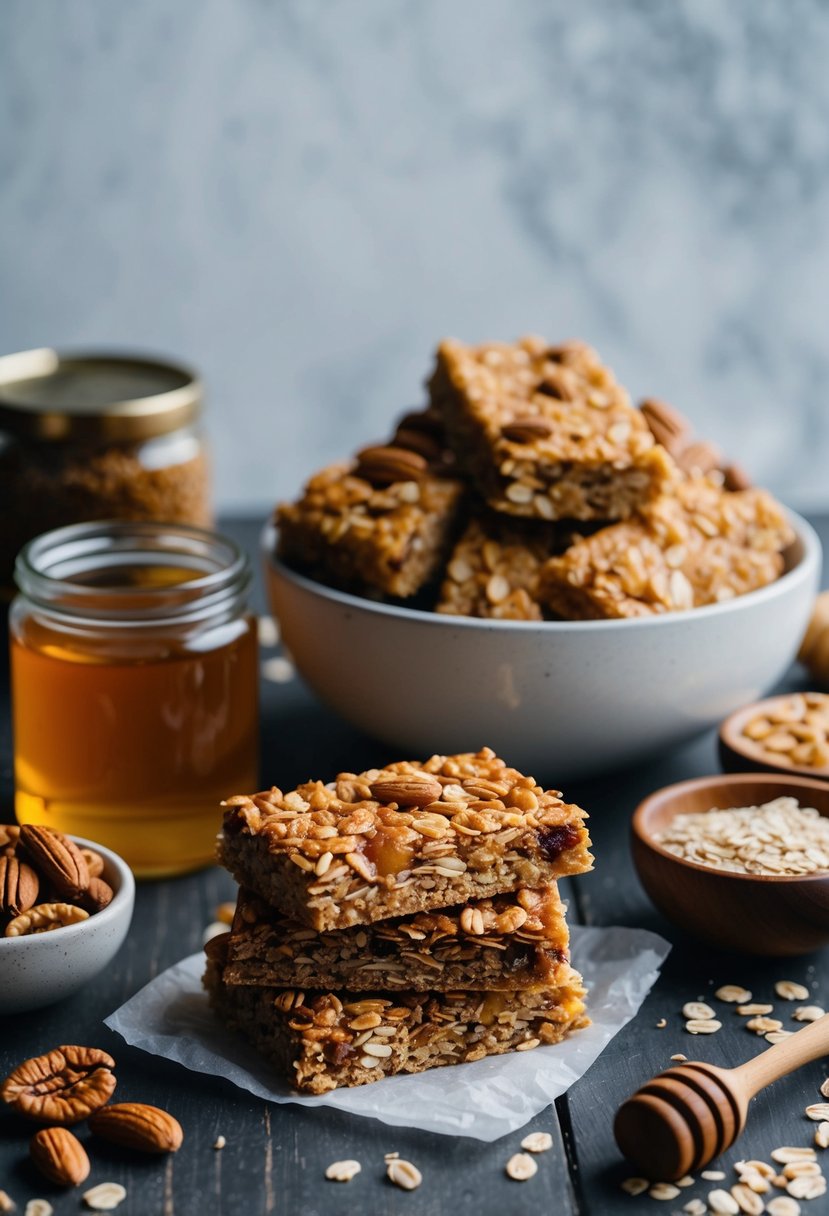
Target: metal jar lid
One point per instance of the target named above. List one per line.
(57, 397)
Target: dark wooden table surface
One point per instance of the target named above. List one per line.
(276, 1154)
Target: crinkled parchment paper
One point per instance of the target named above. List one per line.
(486, 1099)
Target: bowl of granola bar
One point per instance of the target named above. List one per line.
(532, 561)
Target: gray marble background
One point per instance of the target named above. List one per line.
(302, 196)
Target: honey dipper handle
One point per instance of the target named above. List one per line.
(808, 1044)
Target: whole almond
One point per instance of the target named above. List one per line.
(97, 895)
(411, 790)
(19, 886)
(382, 466)
(736, 478)
(59, 1156)
(525, 430)
(666, 424)
(57, 858)
(702, 457)
(135, 1125)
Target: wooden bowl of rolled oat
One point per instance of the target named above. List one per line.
(740, 861)
(787, 734)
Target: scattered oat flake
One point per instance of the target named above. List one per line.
(278, 670)
(792, 1153)
(819, 1111)
(268, 632)
(663, 1190)
(703, 1026)
(824, 1089)
(521, 1166)
(697, 1011)
(685, 1180)
(790, 991)
(822, 1135)
(782, 1205)
(105, 1197)
(763, 1025)
(679, 1057)
(733, 993)
(635, 1186)
(662, 1023)
(405, 1175)
(712, 1175)
(343, 1171)
(801, 1169)
(755, 1010)
(747, 1199)
(220, 1142)
(807, 1187)
(390, 1156)
(808, 1013)
(777, 1036)
(537, 1142)
(722, 1203)
(7, 1204)
(39, 1207)
(695, 1207)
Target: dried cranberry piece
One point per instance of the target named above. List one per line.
(554, 841)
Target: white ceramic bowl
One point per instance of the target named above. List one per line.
(559, 699)
(46, 967)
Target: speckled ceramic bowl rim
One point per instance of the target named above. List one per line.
(70, 933)
(732, 738)
(794, 783)
(800, 572)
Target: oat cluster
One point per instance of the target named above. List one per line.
(779, 838)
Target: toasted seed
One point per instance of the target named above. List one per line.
(724, 1204)
(105, 1197)
(663, 1190)
(790, 991)
(537, 1142)
(528, 1045)
(703, 1026)
(819, 1111)
(381, 1050)
(697, 1011)
(635, 1186)
(520, 1167)
(822, 1135)
(733, 993)
(792, 1153)
(712, 1175)
(750, 1011)
(343, 1171)
(808, 1013)
(748, 1200)
(403, 1174)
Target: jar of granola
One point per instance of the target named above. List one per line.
(97, 436)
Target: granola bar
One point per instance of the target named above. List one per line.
(321, 1040)
(701, 546)
(547, 431)
(401, 839)
(511, 941)
(392, 537)
(494, 568)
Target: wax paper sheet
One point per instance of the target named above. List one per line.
(486, 1099)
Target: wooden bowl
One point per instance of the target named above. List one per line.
(748, 913)
(741, 755)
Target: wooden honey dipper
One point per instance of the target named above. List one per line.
(688, 1115)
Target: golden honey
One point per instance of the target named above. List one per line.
(134, 688)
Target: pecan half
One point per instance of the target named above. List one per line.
(525, 430)
(667, 425)
(699, 458)
(63, 1086)
(135, 1125)
(19, 886)
(43, 918)
(94, 862)
(59, 1156)
(412, 790)
(384, 465)
(736, 478)
(9, 833)
(57, 858)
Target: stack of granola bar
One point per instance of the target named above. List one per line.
(399, 919)
(531, 487)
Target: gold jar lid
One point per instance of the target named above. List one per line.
(47, 395)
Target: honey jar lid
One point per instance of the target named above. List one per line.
(48, 395)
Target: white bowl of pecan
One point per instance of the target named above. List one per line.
(560, 699)
(65, 907)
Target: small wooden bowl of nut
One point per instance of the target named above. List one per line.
(65, 908)
(786, 734)
(740, 861)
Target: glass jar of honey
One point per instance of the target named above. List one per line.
(134, 688)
